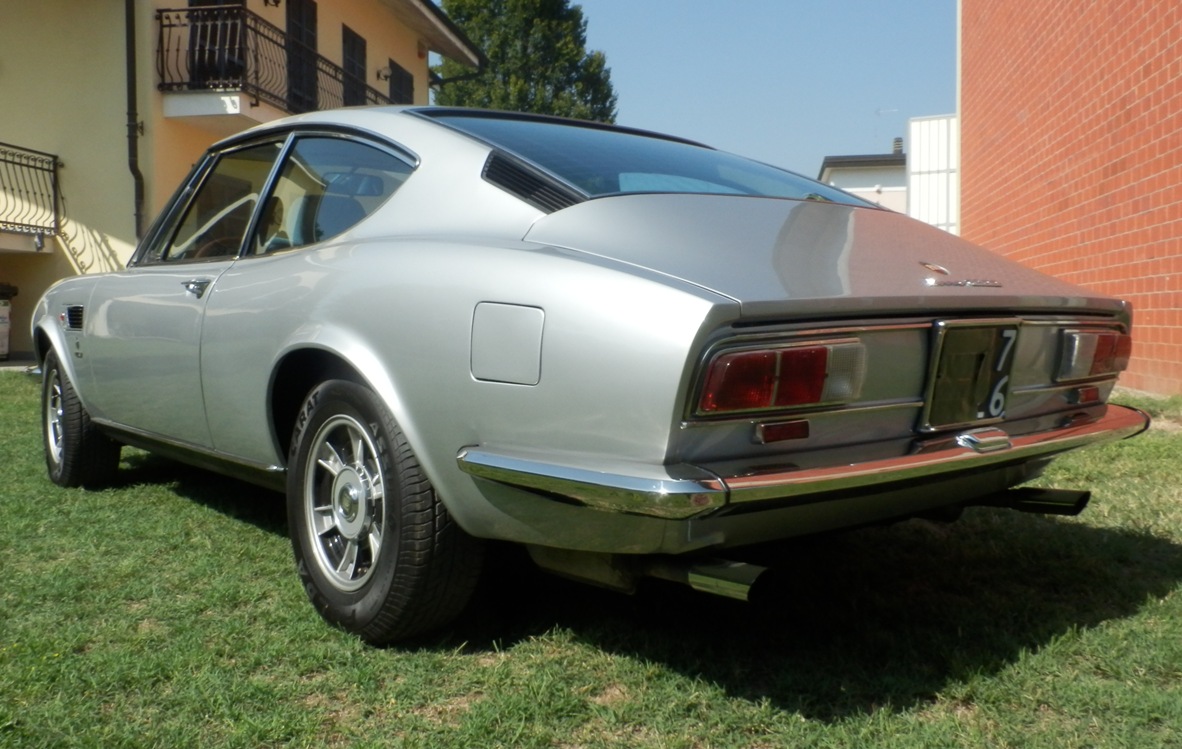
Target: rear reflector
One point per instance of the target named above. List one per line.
(782, 431)
(1084, 395)
(780, 378)
(1087, 354)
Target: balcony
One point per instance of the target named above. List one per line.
(227, 63)
(29, 198)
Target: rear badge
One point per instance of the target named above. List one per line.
(941, 270)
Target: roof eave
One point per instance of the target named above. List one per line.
(862, 161)
(438, 31)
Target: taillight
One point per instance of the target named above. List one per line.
(1088, 354)
(784, 377)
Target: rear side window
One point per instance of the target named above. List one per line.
(598, 160)
(326, 186)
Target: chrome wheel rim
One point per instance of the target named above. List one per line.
(54, 418)
(344, 502)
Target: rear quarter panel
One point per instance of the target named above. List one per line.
(615, 347)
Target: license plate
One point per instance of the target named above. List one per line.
(969, 379)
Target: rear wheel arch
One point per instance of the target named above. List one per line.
(296, 374)
(300, 371)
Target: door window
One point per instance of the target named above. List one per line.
(214, 223)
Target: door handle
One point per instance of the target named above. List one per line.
(196, 286)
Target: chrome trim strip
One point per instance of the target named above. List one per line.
(802, 413)
(665, 497)
(1104, 321)
(265, 474)
(801, 330)
(680, 498)
(1062, 388)
(939, 456)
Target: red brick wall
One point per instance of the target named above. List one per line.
(1071, 154)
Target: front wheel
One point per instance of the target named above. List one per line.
(376, 550)
(76, 452)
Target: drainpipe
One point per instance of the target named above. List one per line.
(133, 126)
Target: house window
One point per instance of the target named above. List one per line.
(402, 85)
(353, 59)
(301, 56)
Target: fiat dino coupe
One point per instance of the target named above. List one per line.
(628, 352)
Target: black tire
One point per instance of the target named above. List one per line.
(377, 552)
(76, 452)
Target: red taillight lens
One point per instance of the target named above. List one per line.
(1094, 354)
(788, 377)
(740, 382)
(802, 376)
(1112, 354)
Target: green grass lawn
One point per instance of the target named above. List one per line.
(166, 612)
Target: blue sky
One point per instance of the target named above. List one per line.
(783, 81)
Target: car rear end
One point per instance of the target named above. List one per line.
(876, 368)
(793, 415)
(861, 366)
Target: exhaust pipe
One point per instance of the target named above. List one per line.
(1067, 502)
(719, 577)
(619, 571)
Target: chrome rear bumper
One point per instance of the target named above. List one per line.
(684, 491)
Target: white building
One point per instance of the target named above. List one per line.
(933, 171)
(923, 182)
(880, 178)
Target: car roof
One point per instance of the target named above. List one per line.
(555, 162)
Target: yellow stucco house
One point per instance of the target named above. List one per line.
(106, 104)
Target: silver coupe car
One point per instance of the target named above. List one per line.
(625, 351)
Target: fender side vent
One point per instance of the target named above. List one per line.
(533, 188)
(74, 317)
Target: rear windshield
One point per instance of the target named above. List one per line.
(599, 161)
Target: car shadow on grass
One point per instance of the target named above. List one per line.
(842, 625)
(240, 500)
(848, 624)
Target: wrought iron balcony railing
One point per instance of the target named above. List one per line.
(29, 196)
(227, 48)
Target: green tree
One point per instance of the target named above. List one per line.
(537, 60)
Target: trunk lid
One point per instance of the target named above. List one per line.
(780, 257)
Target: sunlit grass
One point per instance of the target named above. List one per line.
(166, 612)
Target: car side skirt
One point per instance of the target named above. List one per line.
(271, 477)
